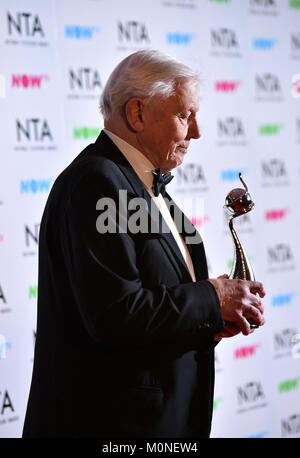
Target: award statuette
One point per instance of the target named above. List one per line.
(237, 203)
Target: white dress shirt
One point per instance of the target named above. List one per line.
(144, 169)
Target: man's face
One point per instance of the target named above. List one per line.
(169, 124)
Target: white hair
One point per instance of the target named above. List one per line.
(143, 74)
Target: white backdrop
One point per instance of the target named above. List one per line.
(55, 57)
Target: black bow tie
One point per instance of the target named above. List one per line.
(160, 181)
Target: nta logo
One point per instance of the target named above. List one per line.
(251, 392)
(133, 32)
(33, 130)
(290, 426)
(24, 24)
(2, 297)
(267, 84)
(84, 79)
(5, 402)
(230, 127)
(224, 38)
(279, 254)
(190, 174)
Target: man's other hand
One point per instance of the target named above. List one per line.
(238, 299)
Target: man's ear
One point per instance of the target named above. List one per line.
(134, 114)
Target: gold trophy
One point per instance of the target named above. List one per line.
(237, 203)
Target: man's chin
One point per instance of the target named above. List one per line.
(173, 163)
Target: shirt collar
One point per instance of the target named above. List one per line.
(139, 162)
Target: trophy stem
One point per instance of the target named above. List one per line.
(241, 267)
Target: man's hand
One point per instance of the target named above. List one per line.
(238, 299)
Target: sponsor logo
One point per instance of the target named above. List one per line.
(25, 81)
(274, 173)
(270, 129)
(2, 297)
(263, 7)
(33, 289)
(224, 42)
(296, 346)
(2, 87)
(34, 134)
(258, 435)
(217, 402)
(295, 4)
(4, 308)
(250, 396)
(199, 221)
(4, 347)
(246, 351)
(7, 410)
(230, 132)
(191, 177)
(280, 257)
(25, 28)
(225, 86)
(232, 174)
(264, 44)
(296, 86)
(132, 33)
(289, 385)
(84, 82)
(295, 45)
(36, 185)
(81, 32)
(284, 342)
(179, 38)
(31, 239)
(276, 214)
(281, 300)
(268, 87)
(290, 426)
(229, 263)
(85, 133)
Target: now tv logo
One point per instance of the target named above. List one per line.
(199, 221)
(227, 86)
(246, 351)
(25, 81)
(276, 214)
(35, 186)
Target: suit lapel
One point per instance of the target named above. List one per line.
(155, 219)
(192, 239)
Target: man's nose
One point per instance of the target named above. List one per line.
(194, 130)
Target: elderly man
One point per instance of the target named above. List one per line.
(127, 318)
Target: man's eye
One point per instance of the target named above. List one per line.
(184, 115)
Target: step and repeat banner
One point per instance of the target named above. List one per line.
(56, 56)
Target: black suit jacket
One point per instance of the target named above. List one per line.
(124, 342)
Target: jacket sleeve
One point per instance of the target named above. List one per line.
(115, 307)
